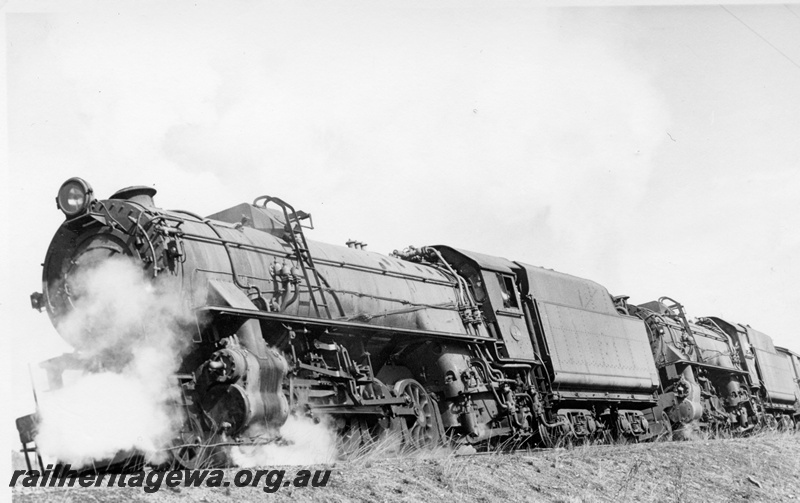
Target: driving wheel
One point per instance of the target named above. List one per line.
(423, 429)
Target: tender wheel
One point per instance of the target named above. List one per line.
(423, 429)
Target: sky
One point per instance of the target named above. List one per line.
(654, 149)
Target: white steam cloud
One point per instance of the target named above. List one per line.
(304, 442)
(127, 327)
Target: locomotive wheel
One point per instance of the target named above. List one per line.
(351, 438)
(358, 436)
(198, 455)
(545, 437)
(189, 457)
(194, 449)
(666, 424)
(770, 422)
(422, 430)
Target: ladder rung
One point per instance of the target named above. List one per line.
(297, 240)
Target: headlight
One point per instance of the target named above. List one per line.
(74, 197)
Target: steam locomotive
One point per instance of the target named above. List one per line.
(428, 343)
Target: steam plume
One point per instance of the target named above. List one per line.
(129, 329)
(306, 443)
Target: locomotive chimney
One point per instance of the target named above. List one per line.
(138, 194)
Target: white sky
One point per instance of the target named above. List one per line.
(655, 150)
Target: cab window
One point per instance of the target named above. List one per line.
(508, 292)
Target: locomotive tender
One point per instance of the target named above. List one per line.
(429, 342)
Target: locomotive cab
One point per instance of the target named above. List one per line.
(494, 283)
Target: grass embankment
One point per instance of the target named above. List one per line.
(761, 468)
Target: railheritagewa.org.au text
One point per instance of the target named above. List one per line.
(152, 481)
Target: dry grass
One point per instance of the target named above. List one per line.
(763, 467)
(390, 446)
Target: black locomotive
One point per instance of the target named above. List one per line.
(430, 342)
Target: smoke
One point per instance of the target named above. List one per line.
(129, 330)
(302, 442)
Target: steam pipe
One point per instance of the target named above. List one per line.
(295, 293)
